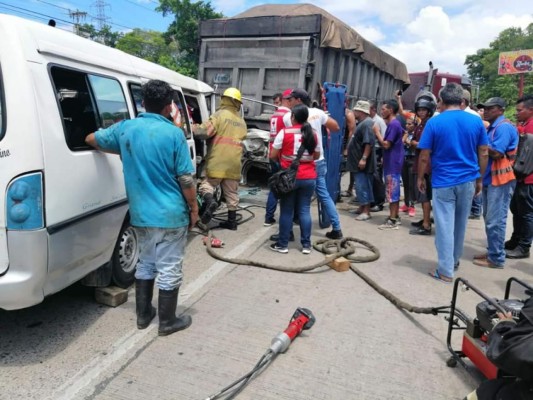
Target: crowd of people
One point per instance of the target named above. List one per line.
(452, 158)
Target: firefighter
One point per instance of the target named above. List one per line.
(224, 131)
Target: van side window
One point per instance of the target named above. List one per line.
(185, 113)
(87, 102)
(110, 100)
(137, 98)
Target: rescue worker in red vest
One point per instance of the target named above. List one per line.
(225, 131)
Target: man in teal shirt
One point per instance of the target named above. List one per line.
(158, 174)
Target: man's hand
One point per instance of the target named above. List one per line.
(421, 183)
(193, 216)
(479, 187)
(362, 164)
(505, 317)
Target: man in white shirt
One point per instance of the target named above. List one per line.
(317, 119)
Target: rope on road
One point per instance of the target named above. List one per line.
(335, 249)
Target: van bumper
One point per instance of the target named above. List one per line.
(22, 284)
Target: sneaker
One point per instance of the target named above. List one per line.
(346, 193)
(269, 222)
(411, 212)
(511, 244)
(420, 231)
(279, 249)
(390, 224)
(517, 253)
(418, 223)
(376, 209)
(398, 220)
(306, 250)
(356, 211)
(363, 217)
(334, 234)
(404, 208)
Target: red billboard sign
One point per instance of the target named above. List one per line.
(515, 62)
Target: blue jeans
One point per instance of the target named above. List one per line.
(323, 195)
(477, 206)
(451, 206)
(302, 196)
(161, 253)
(272, 202)
(496, 200)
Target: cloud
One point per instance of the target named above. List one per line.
(370, 33)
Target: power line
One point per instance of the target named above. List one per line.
(59, 19)
(34, 17)
(141, 6)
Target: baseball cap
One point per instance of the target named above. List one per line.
(494, 101)
(286, 94)
(299, 93)
(363, 106)
(466, 95)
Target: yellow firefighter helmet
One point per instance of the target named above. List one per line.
(233, 93)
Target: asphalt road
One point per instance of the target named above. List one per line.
(361, 347)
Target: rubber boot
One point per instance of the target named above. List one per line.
(231, 223)
(168, 322)
(144, 290)
(210, 206)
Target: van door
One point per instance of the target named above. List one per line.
(85, 198)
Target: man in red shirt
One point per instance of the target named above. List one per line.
(522, 201)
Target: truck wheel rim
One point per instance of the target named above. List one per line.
(128, 250)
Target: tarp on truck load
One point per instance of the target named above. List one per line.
(333, 33)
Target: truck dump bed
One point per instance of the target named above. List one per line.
(269, 48)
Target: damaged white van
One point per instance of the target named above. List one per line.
(64, 208)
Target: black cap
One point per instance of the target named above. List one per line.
(493, 101)
(299, 93)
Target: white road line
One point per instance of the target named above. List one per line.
(125, 346)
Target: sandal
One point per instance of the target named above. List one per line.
(481, 256)
(435, 275)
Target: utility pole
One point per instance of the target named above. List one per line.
(77, 16)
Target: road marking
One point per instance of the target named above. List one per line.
(122, 348)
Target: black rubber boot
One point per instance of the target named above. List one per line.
(210, 206)
(144, 290)
(168, 322)
(231, 223)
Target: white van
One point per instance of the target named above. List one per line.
(64, 208)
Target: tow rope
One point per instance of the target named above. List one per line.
(334, 249)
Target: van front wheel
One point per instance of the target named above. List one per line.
(125, 257)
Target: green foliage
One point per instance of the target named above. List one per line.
(483, 67)
(184, 29)
(152, 46)
(105, 35)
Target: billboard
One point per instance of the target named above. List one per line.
(515, 62)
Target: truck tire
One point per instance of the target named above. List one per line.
(125, 256)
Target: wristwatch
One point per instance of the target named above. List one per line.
(364, 158)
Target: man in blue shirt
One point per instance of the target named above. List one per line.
(456, 141)
(158, 174)
(498, 182)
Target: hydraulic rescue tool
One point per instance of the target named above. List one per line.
(302, 319)
(476, 330)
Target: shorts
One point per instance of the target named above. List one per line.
(363, 188)
(392, 188)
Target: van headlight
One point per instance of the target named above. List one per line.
(24, 205)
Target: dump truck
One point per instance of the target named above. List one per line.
(270, 48)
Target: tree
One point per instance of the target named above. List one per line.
(184, 29)
(483, 66)
(105, 35)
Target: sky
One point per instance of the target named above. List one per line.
(414, 31)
